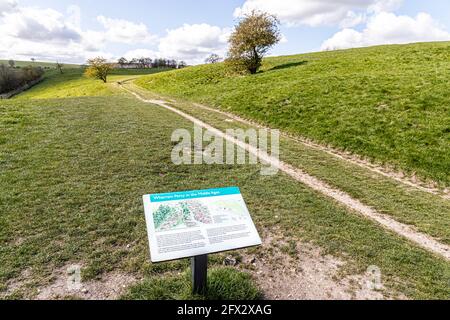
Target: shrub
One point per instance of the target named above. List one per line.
(99, 69)
(7, 79)
(12, 79)
(252, 38)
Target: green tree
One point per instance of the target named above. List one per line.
(255, 34)
(98, 68)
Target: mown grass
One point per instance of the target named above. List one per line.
(428, 212)
(387, 103)
(72, 173)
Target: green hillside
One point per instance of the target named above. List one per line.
(387, 103)
(73, 84)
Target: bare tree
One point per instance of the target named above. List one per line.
(141, 62)
(147, 63)
(213, 58)
(160, 63)
(59, 67)
(134, 61)
(12, 63)
(172, 64)
(122, 61)
(182, 64)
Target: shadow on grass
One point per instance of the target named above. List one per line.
(289, 65)
(223, 284)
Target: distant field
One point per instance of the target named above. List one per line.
(73, 84)
(39, 64)
(387, 103)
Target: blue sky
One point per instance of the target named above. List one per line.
(73, 31)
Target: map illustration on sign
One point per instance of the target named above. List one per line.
(187, 224)
(186, 214)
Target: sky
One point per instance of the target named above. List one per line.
(71, 31)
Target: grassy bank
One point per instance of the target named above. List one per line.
(427, 212)
(387, 103)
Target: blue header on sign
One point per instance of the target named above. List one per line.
(194, 194)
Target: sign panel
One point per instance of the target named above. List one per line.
(193, 223)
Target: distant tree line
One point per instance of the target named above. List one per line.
(12, 78)
(99, 68)
(148, 63)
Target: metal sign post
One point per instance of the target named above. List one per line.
(199, 269)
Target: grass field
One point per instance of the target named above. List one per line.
(77, 155)
(388, 103)
(72, 83)
(51, 65)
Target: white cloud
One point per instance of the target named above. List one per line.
(352, 19)
(385, 6)
(317, 12)
(123, 31)
(74, 18)
(191, 43)
(39, 33)
(142, 53)
(7, 6)
(194, 43)
(37, 25)
(388, 28)
(47, 34)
